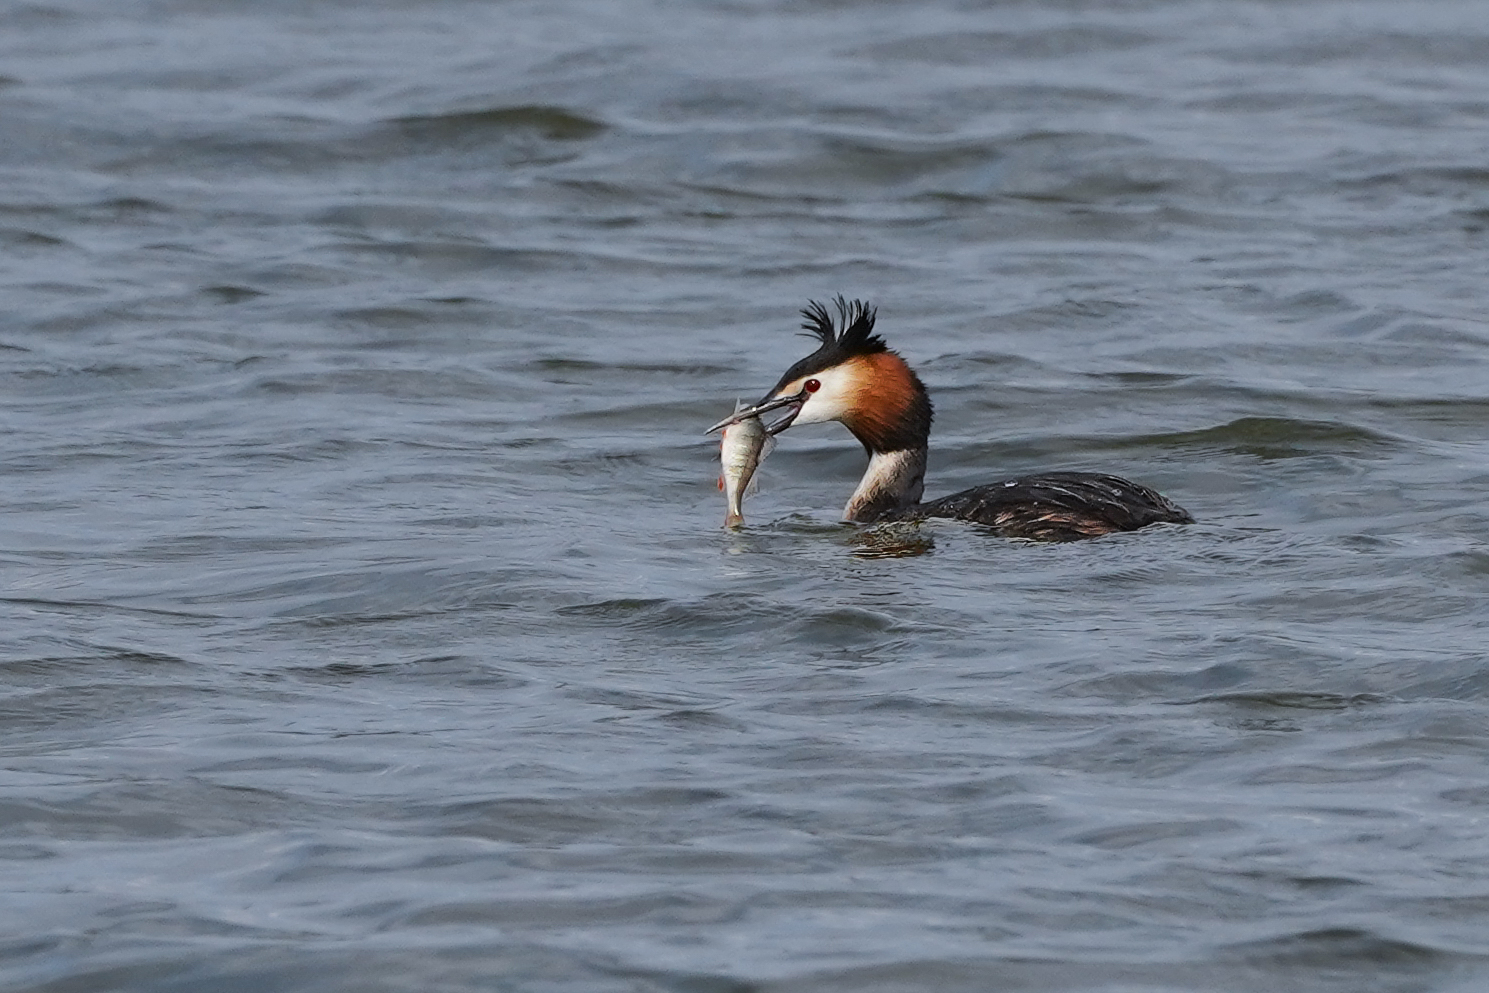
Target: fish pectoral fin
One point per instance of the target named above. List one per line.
(721, 484)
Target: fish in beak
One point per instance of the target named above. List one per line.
(791, 403)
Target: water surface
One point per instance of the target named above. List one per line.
(367, 621)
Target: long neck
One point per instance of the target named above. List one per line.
(893, 421)
(891, 416)
(893, 482)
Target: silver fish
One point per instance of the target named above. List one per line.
(744, 447)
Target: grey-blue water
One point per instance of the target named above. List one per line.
(367, 621)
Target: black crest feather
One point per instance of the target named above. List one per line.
(853, 334)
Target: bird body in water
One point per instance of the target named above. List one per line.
(854, 378)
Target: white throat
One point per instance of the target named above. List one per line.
(893, 481)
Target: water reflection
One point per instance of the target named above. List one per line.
(896, 540)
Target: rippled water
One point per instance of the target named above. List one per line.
(367, 621)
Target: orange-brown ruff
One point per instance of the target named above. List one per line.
(883, 392)
(855, 379)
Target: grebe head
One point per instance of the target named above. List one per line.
(852, 378)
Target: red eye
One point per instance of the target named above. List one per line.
(812, 385)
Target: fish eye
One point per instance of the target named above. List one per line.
(812, 385)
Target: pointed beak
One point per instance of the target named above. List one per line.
(794, 402)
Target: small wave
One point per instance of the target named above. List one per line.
(1337, 947)
(1368, 48)
(21, 239)
(230, 294)
(553, 123)
(1282, 438)
(1290, 699)
(978, 48)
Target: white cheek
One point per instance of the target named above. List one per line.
(829, 403)
(820, 408)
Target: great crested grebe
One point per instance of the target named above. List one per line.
(854, 378)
